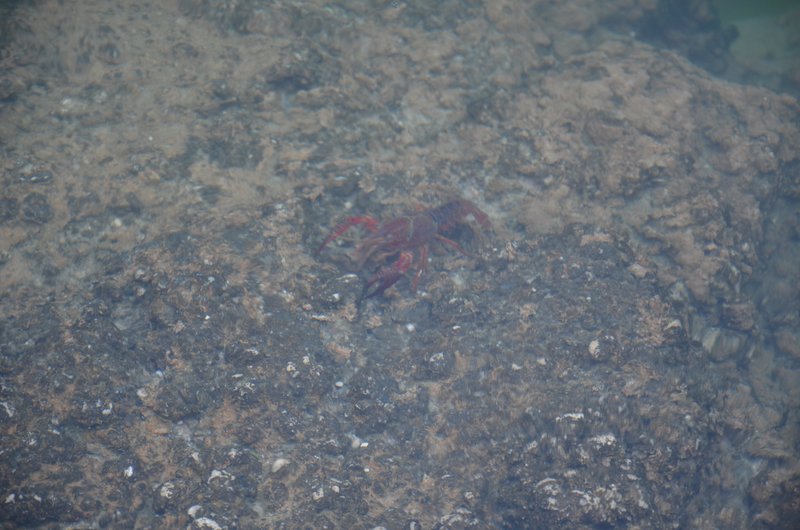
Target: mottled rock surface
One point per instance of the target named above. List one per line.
(620, 350)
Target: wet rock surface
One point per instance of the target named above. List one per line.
(620, 350)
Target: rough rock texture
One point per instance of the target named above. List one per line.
(620, 350)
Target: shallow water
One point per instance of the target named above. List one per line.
(620, 349)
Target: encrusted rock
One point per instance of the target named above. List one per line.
(740, 316)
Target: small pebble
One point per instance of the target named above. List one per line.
(279, 464)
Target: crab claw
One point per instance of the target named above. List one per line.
(370, 223)
(385, 277)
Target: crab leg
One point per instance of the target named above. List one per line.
(422, 264)
(388, 276)
(452, 243)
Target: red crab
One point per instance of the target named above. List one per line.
(401, 237)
